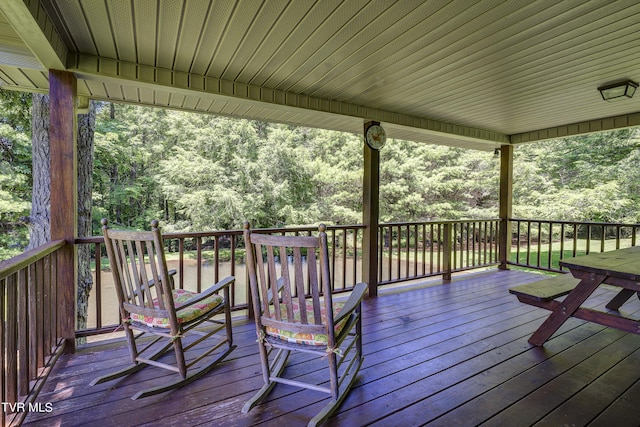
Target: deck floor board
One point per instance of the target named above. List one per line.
(442, 354)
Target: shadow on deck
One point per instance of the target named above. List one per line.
(446, 354)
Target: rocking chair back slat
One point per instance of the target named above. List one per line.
(264, 284)
(299, 284)
(140, 272)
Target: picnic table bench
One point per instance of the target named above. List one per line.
(546, 289)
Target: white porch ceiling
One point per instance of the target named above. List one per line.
(475, 74)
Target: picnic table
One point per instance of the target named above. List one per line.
(619, 268)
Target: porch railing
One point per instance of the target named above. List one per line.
(542, 244)
(415, 250)
(29, 338)
(406, 251)
(202, 258)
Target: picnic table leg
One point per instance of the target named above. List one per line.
(620, 299)
(566, 308)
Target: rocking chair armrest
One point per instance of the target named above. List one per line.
(354, 299)
(222, 284)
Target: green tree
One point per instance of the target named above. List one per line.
(15, 171)
(421, 182)
(586, 178)
(205, 176)
(130, 143)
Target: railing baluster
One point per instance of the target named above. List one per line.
(550, 254)
(216, 257)
(492, 239)
(33, 324)
(199, 264)
(423, 227)
(181, 262)
(440, 248)
(3, 344)
(470, 246)
(415, 249)
(344, 258)
(355, 257)
(40, 309)
(46, 306)
(23, 333)
(232, 293)
(98, 284)
(447, 251)
(538, 244)
(434, 255)
(408, 251)
(332, 255)
(398, 245)
(390, 251)
(10, 327)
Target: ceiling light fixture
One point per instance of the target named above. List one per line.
(619, 90)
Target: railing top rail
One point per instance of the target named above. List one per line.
(307, 228)
(12, 265)
(188, 235)
(547, 221)
(448, 221)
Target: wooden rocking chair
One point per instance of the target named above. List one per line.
(302, 316)
(150, 306)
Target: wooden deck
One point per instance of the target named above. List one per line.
(444, 355)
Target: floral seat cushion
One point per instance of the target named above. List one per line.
(180, 298)
(303, 338)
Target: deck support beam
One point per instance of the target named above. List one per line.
(506, 204)
(64, 195)
(370, 215)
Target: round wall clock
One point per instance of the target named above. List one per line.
(376, 137)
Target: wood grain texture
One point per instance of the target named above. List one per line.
(64, 206)
(445, 354)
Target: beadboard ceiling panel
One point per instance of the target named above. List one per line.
(473, 74)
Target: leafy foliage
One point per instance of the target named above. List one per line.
(588, 178)
(15, 171)
(202, 172)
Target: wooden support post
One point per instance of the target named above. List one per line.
(370, 214)
(506, 202)
(64, 195)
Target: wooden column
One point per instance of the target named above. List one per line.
(506, 202)
(64, 195)
(370, 216)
